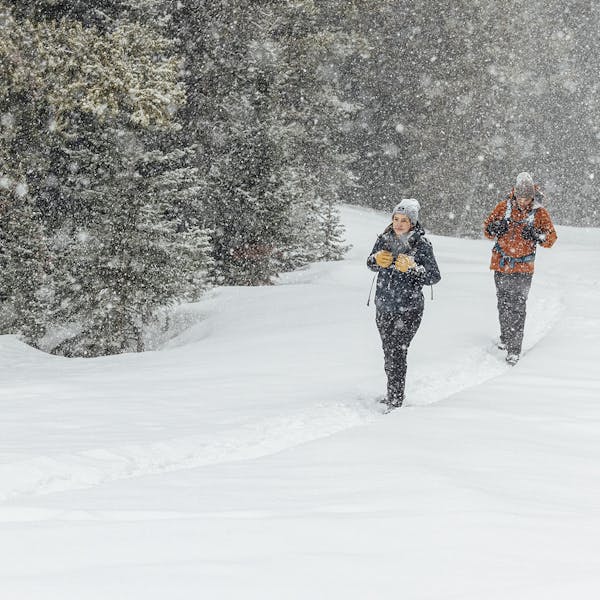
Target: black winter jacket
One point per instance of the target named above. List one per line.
(397, 291)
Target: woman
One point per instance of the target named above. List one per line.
(404, 261)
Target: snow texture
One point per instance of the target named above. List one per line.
(247, 457)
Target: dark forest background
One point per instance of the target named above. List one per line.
(151, 149)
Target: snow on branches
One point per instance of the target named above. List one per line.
(126, 72)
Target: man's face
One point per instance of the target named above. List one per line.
(524, 203)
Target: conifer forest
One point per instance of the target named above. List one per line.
(153, 149)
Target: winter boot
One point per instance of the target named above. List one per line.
(512, 359)
(395, 402)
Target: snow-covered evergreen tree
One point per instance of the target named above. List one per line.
(261, 110)
(123, 257)
(317, 169)
(25, 265)
(83, 110)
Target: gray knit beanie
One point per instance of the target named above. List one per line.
(409, 207)
(524, 187)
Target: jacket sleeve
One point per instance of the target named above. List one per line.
(543, 223)
(424, 257)
(496, 215)
(371, 259)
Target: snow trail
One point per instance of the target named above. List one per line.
(291, 474)
(70, 471)
(242, 384)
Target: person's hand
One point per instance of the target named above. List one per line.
(498, 228)
(384, 259)
(532, 233)
(404, 263)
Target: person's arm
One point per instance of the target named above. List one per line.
(427, 268)
(372, 259)
(544, 228)
(496, 225)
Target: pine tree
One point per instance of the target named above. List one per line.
(24, 265)
(124, 254)
(86, 113)
(317, 169)
(260, 110)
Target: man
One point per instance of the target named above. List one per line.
(518, 224)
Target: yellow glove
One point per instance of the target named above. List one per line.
(384, 259)
(405, 262)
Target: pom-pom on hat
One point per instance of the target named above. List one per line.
(409, 207)
(524, 187)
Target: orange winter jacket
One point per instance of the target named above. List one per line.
(512, 253)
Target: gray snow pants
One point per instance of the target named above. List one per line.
(512, 290)
(397, 331)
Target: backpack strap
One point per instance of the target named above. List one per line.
(508, 210)
(512, 260)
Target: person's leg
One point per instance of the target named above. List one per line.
(397, 332)
(521, 285)
(503, 298)
(512, 290)
(386, 324)
(410, 322)
(397, 376)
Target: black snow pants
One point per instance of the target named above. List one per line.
(397, 331)
(512, 290)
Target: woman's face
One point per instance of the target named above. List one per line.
(401, 224)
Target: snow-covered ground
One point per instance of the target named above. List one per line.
(247, 458)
